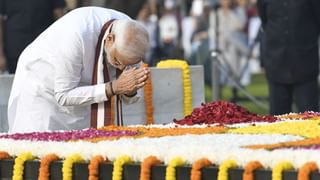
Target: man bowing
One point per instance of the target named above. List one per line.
(65, 79)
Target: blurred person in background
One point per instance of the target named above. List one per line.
(228, 24)
(169, 32)
(188, 26)
(199, 38)
(254, 30)
(195, 36)
(241, 36)
(241, 10)
(21, 21)
(149, 20)
(291, 53)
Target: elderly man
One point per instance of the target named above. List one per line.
(69, 74)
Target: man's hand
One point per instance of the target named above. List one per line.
(3, 63)
(130, 81)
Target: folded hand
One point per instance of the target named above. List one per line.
(131, 80)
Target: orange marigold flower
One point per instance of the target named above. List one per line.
(4, 155)
(94, 167)
(306, 169)
(249, 168)
(146, 167)
(196, 168)
(44, 170)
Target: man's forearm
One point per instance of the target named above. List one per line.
(83, 95)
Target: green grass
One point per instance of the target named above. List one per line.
(257, 88)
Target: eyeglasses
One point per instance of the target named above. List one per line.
(137, 65)
(118, 63)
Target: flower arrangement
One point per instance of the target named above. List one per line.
(161, 132)
(249, 169)
(44, 170)
(312, 143)
(224, 167)
(118, 166)
(223, 113)
(196, 168)
(94, 167)
(277, 170)
(295, 140)
(306, 169)
(171, 168)
(305, 115)
(145, 173)
(306, 128)
(188, 139)
(148, 100)
(187, 87)
(19, 165)
(146, 165)
(4, 155)
(68, 164)
(74, 135)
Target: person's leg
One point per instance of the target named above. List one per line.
(306, 96)
(280, 98)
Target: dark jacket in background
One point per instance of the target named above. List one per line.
(24, 21)
(290, 39)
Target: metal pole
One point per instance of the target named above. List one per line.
(215, 71)
(215, 77)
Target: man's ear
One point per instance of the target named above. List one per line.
(109, 40)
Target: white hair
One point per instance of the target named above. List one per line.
(131, 38)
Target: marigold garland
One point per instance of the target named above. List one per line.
(290, 144)
(277, 170)
(146, 165)
(196, 168)
(148, 100)
(306, 169)
(44, 170)
(224, 167)
(171, 168)
(306, 128)
(4, 155)
(19, 165)
(249, 169)
(68, 164)
(187, 86)
(118, 166)
(310, 115)
(160, 132)
(94, 167)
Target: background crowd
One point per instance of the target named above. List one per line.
(178, 29)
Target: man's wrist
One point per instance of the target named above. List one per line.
(108, 90)
(131, 94)
(111, 88)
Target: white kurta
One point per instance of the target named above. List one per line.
(52, 87)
